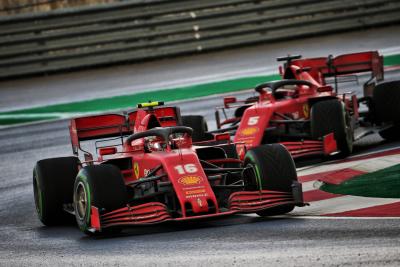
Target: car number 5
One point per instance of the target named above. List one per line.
(253, 120)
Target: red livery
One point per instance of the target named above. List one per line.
(146, 170)
(304, 111)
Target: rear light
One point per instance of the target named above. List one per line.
(107, 151)
(222, 137)
(229, 100)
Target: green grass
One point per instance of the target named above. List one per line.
(384, 183)
(130, 101)
(391, 60)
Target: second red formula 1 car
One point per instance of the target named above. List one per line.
(307, 115)
(147, 171)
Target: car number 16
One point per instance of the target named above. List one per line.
(187, 168)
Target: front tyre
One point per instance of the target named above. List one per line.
(274, 170)
(101, 186)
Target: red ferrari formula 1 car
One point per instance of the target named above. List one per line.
(147, 171)
(306, 114)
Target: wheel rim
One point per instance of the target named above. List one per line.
(80, 201)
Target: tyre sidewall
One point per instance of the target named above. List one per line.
(38, 195)
(275, 170)
(104, 188)
(83, 223)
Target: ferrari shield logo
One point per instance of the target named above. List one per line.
(136, 169)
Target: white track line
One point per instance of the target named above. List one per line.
(294, 216)
(390, 51)
(343, 218)
(308, 186)
(342, 204)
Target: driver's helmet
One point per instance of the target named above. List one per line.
(286, 91)
(154, 143)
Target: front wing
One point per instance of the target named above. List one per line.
(326, 147)
(156, 212)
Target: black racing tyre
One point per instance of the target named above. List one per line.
(199, 126)
(101, 186)
(391, 134)
(329, 116)
(386, 100)
(53, 184)
(275, 170)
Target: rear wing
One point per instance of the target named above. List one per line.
(166, 116)
(352, 63)
(356, 63)
(116, 125)
(98, 126)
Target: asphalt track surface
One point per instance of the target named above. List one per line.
(237, 240)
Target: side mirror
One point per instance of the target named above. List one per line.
(137, 145)
(229, 100)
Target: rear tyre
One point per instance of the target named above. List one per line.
(53, 184)
(199, 126)
(329, 116)
(274, 170)
(101, 186)
(386, 99)
(391, 134)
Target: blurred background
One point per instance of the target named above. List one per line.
(63, 51)
(10, 7)
(49, 36)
